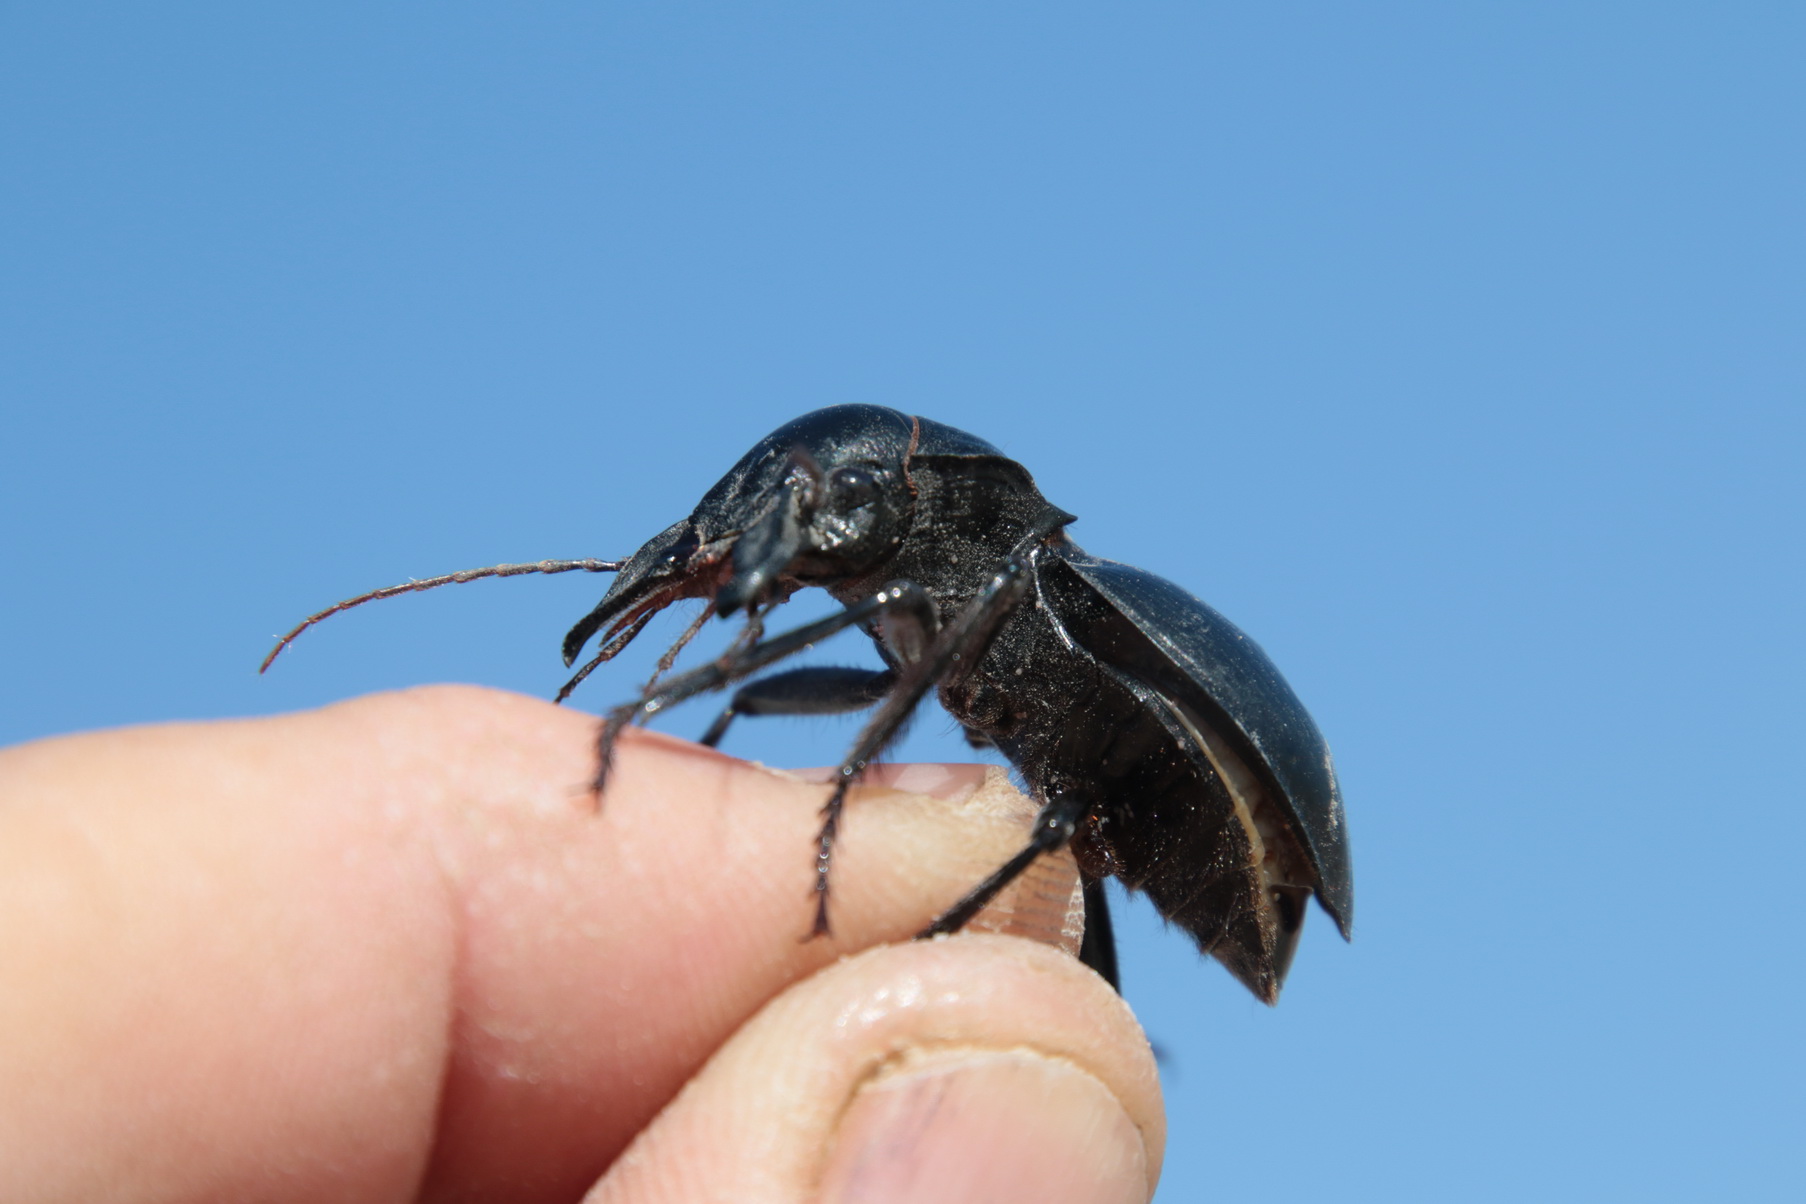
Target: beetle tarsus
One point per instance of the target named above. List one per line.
(606, 738)
(824, 844)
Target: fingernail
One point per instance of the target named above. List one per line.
(986, 1127)
(952, 783)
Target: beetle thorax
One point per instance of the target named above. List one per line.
(968, 514)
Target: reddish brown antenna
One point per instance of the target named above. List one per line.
(458, 578)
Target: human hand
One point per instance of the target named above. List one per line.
(389, 951)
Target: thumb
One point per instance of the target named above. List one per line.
(974, 1068)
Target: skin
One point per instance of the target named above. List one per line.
(391, 950)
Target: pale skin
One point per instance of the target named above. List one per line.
(391, 950)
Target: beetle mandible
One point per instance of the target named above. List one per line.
(1160, 742)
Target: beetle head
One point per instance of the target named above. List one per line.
(822, 498)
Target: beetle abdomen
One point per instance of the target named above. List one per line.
(1169, 824)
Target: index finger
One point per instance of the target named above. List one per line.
(389, 945)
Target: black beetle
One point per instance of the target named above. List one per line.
(1160, 741)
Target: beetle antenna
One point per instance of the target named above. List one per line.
(607, 652)
(458, 578)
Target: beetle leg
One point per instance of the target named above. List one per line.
(817, 690)
(959, 646)
(1054, 828)
(1098, 947)
(897, 596)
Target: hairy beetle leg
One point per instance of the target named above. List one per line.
(743, 660)
(830, 827)
(962, 642)
(815, 690)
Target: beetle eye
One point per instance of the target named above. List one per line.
(854, 487)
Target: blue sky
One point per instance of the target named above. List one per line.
(1455, 352)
